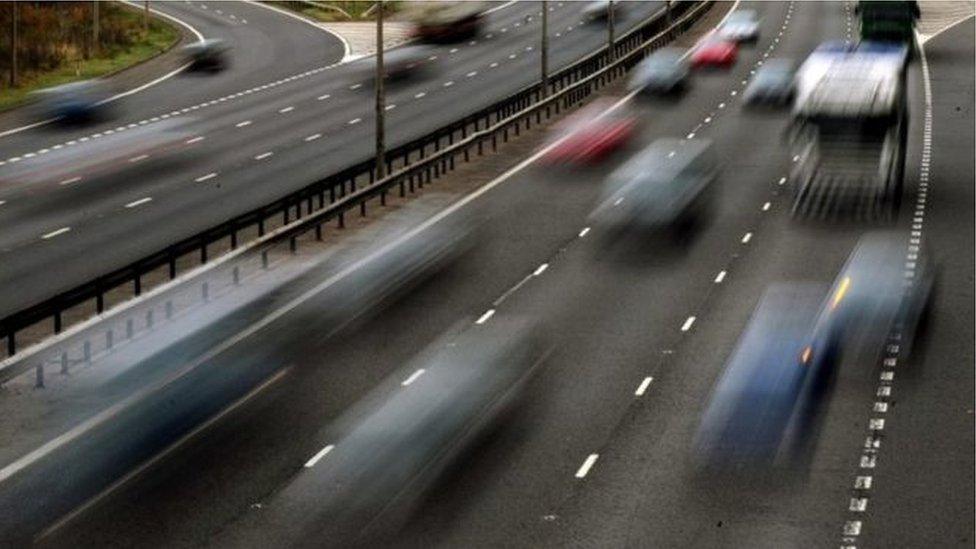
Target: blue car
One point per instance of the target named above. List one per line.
(761, 407)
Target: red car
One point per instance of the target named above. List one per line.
(715, 52)
(588, 137)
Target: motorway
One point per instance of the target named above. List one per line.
(283, 116)
(597, 452)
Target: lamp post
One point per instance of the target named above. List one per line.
(380, 97)
(545, 48)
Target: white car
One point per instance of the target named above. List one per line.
(741, 26)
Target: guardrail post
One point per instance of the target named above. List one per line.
(172, 266)
(137, 284)
(11, 343)
(169, 310)
(57, 322)
(109, 339)
(86, 352)
(264, 259)
(129, 328)
(149, 318)
(233, 239)
(205, 290)
(39, 376)
(261, 227)
(99, 302)
(203, 253)
(293, 244)
(64, 362)
(382, 198)
(318, 232)
(342, 220)
(285, 216)
(362, 209)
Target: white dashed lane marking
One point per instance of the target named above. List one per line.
(321, 454)
(70, 181)
(139, 202)
(355, 121)
(286, 110)
(642, 388)
(413, 377)
(203, 178)
(313, 137)
(485, 317)
(55, 233)
(194, 140)
(587, 465)
(242, 124)
(720, 277)
(688, 324)
(263, 155)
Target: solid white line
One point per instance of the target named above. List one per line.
(746, 238)
(242, 124)
(321, 454)
(585, 468)
(53, 234)
(720, 277)
(347, 49)
(687, 325)
(264, 155)
(541, 269)
(286, 109)
(70, 181)
(196, 139)
(313, 137)
(203, 178)
(139, 202)
(484, 318)
(413, 377)
(643, 386)
(138, 158)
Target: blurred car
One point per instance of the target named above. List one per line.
(759, 412)
(715, 52)
(207, 54)
(406, 61)
(876, 294)
(77, 102)
(666, 186)
(741, 26)
(772, 84)
(599, 9)
(664, 71)
(393, 446)
(98, 156)
(446, 21)
(592, 134)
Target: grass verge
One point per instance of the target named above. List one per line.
(160, 37)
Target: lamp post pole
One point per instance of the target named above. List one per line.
(380, 96)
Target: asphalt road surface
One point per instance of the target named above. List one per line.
(280, 118)
(619, 313)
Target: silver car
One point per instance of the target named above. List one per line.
(664, 71)
(773, 84)
(741, 26)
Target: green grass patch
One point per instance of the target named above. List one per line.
(159, 37)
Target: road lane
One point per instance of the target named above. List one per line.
(229, 150)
